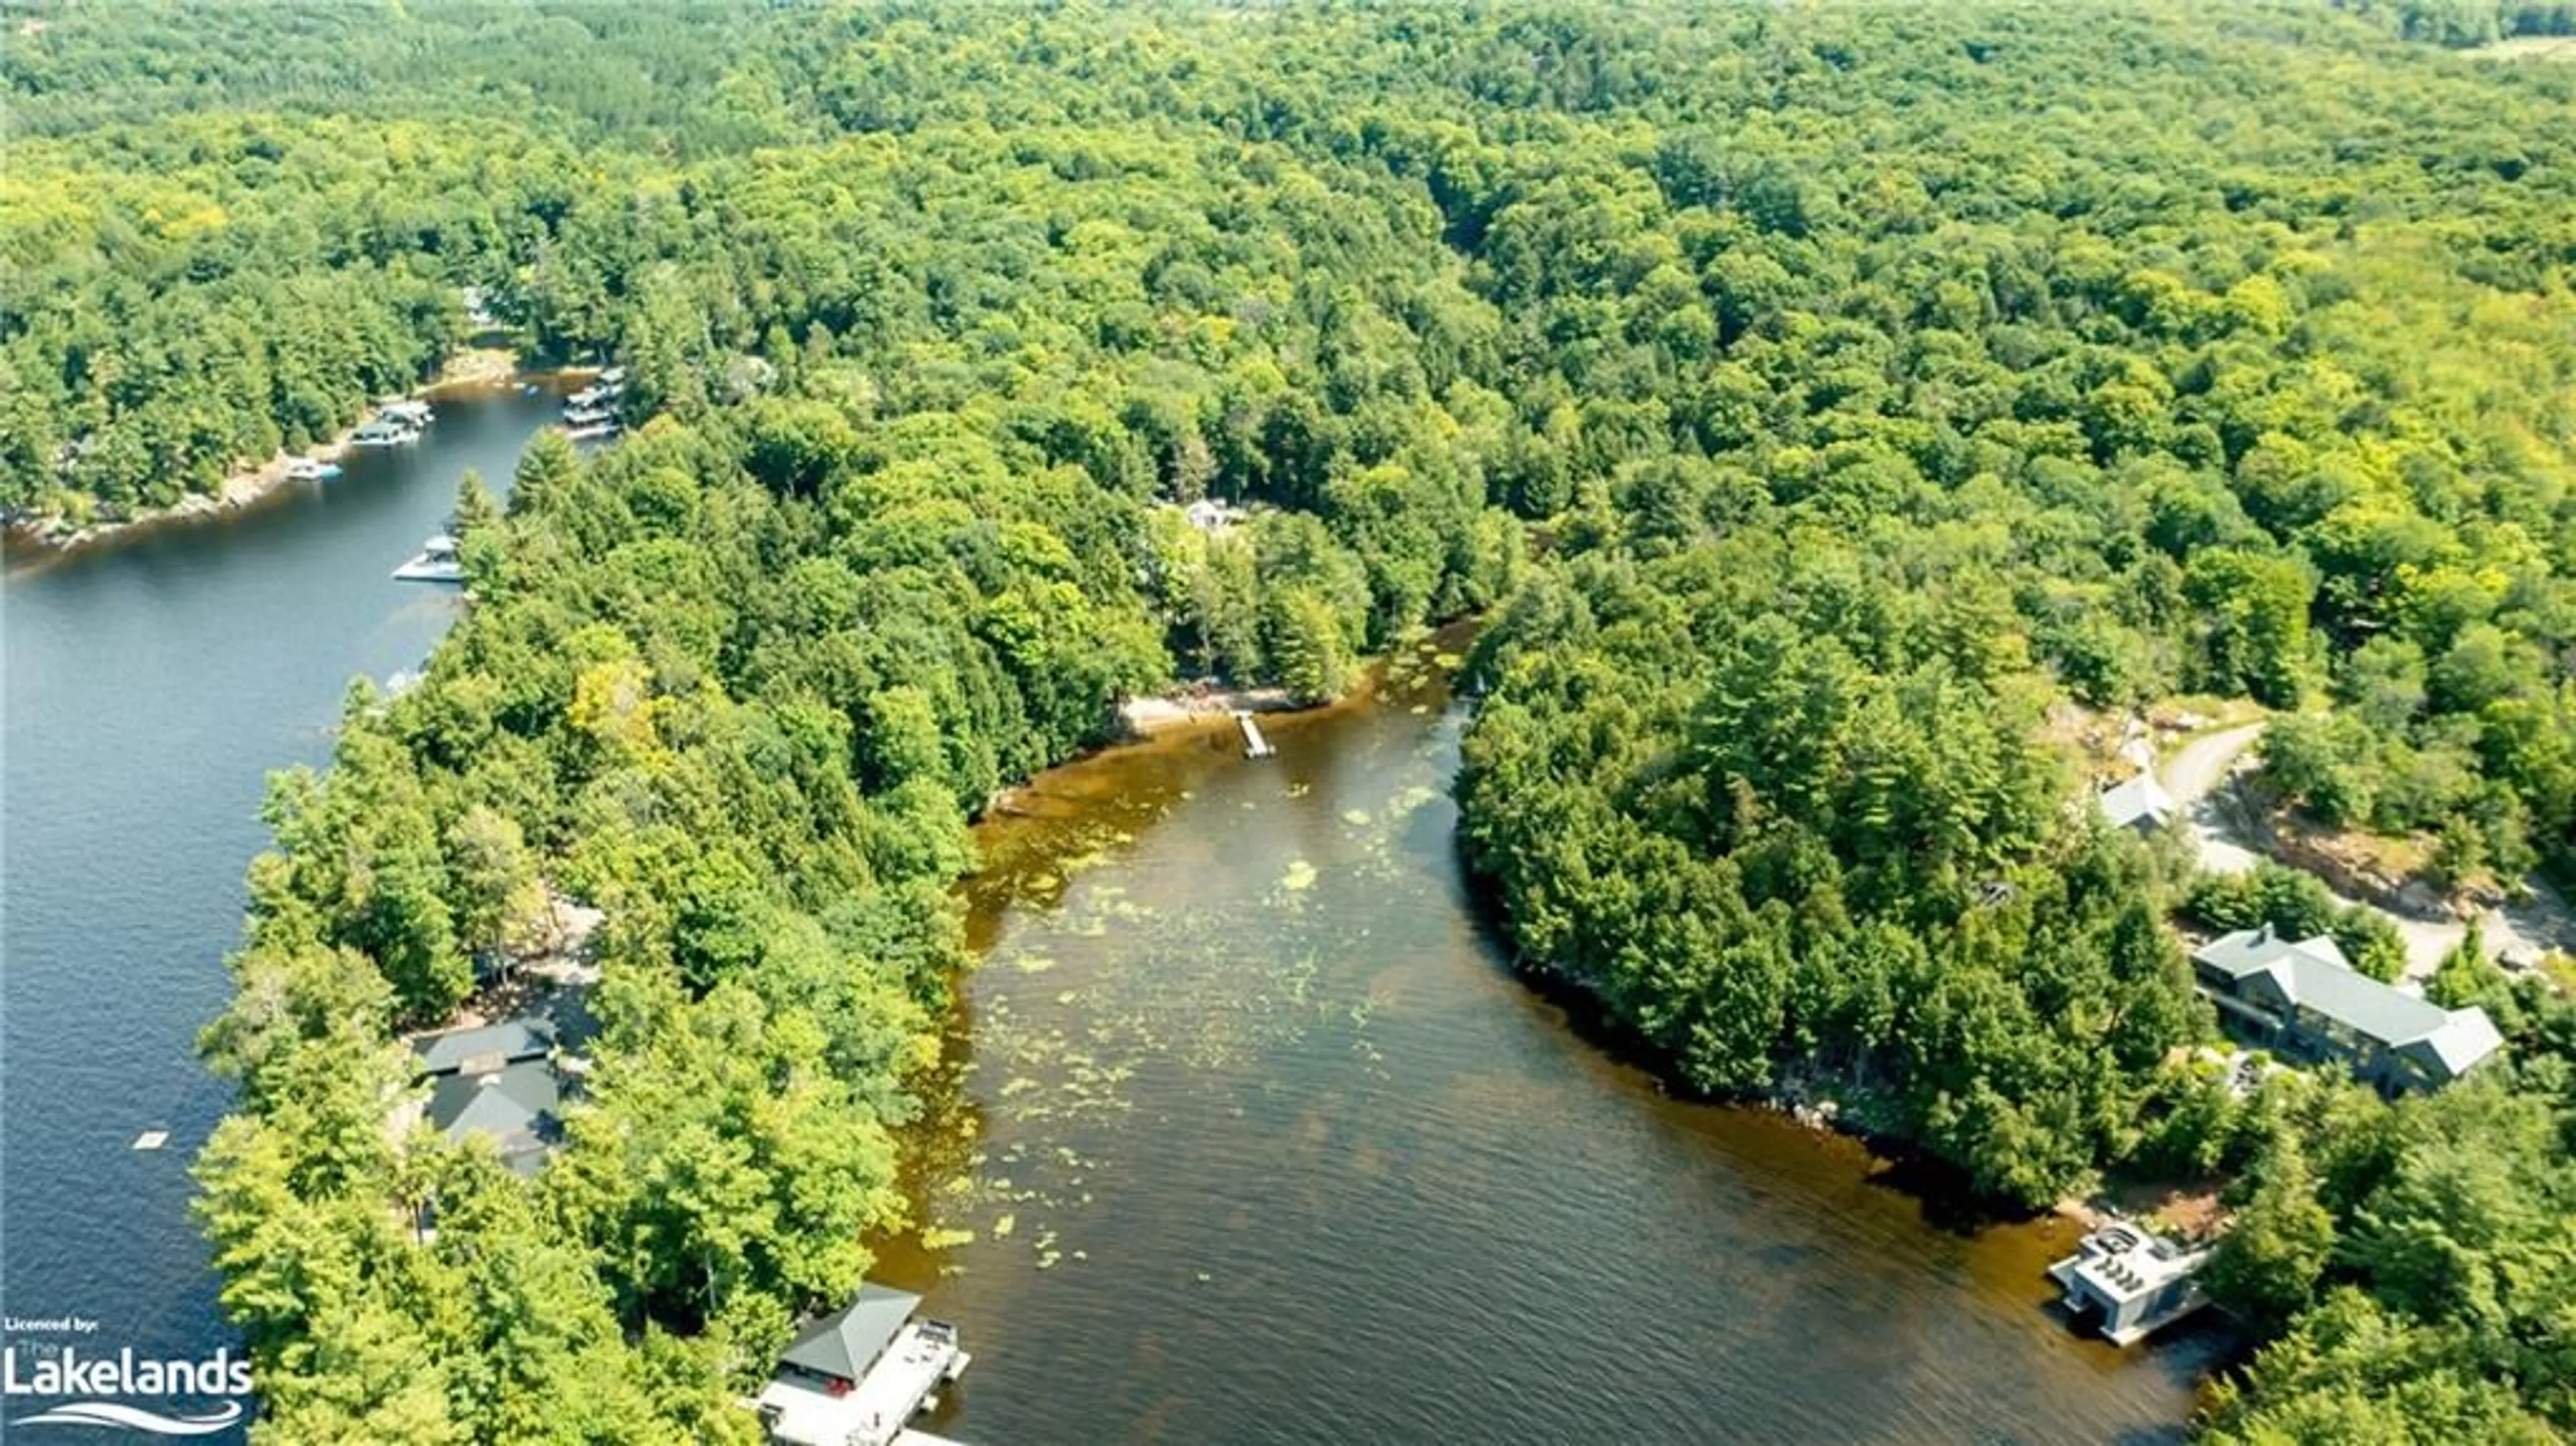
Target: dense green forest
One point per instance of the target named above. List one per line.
(1818, 399)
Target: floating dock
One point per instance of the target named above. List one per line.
(1254, 745)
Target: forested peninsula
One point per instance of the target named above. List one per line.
(1818, 400)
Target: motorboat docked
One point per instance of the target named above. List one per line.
(585, 416)
(410, 414)
(311, 469)
(384, 432)
(591, 431)
(602, 392)
(437, 562)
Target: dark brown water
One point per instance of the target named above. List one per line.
(1259, 1142)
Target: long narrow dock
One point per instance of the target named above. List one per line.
(1254, 745)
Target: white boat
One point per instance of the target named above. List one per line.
(311, 469)
(584, 416)
(384, 432)
(411, 414)
(437, 562)
(614, 377)
(591, 432)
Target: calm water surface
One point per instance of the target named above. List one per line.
(149, 686)
(1259, 1142)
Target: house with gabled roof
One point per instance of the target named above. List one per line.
(498, 1081)
(2302, 998)
(518, 1107)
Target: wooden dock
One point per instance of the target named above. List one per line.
(913, 1437)
(1254, 745)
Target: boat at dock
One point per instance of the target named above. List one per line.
(414, 415)
(436, 562)
(311, 469)
(588, 416)
(591, 431)
(384, 432)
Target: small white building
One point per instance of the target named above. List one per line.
(2141, 804)
(2137, 1282)
(1211, 516)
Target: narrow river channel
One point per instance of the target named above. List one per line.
(150, 684)
(1248, 1136)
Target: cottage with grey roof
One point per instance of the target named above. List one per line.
(2303, 998)
(518, 1108)
(497, 1081)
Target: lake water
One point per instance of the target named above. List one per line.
(1260, 1142)
(149, 685)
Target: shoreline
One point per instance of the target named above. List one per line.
(1201, 702)
(33, 543)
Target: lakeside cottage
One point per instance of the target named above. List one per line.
(499, 1081)
(2302, 999)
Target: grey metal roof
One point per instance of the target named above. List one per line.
(849, 1340)
(507, 1042)
(2312, 973)
(2467, 1037)
(2140, 800)
(517, 1107)
(2249, 951)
